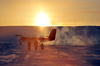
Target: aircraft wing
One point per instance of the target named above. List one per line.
(50, 37)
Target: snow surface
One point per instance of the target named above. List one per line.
(52, 55)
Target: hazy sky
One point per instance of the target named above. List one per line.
(60, 12)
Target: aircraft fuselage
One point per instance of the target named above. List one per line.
(34, 38)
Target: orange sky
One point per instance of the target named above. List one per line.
(61, 12)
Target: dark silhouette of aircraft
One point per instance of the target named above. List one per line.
(37, 40)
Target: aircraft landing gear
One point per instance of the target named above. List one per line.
(42, 46)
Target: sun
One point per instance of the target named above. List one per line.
(42, 19)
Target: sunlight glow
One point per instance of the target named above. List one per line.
(42, 19)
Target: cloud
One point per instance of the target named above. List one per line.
(65, 35)
(84, 35)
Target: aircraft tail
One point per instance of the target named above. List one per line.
(52, 34)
